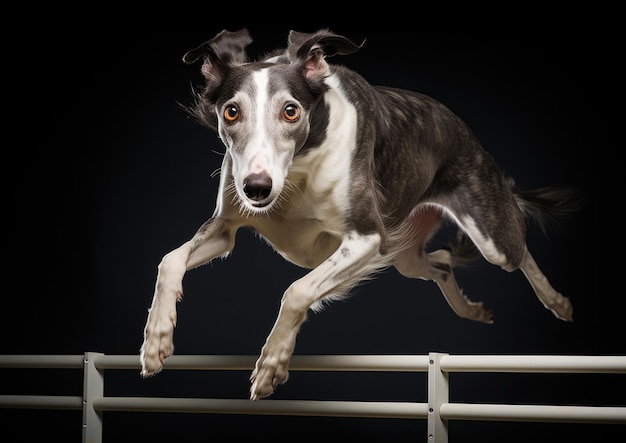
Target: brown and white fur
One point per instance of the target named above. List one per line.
(345, 179)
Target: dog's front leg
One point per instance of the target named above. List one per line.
(212, 239)
(335, 275)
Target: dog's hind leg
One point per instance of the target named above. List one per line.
(437, 266)
(414, 262)
(507, 248)
(551, 299)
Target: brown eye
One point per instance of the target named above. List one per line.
(291, 113)
(231, 113)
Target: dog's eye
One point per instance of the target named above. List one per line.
(291, 113)
(231, 113)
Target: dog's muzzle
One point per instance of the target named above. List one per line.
(258, 188)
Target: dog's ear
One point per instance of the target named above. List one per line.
(312, 49)
(224, 50)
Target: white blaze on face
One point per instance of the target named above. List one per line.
(256, 156)
(261, 142)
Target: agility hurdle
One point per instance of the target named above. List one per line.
(438, 411)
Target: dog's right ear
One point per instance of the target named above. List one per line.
(224, 50)
(311, 50)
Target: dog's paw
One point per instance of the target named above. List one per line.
(562, 308)
(481, 313)
(267, 375)
(158, 342)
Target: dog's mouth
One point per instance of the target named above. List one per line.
(254, 207)
(261, 205)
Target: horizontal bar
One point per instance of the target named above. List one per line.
(449, 363)
(389, 363)
(533, 413)
(41, 361)
(534, 363)
(263, 407)
(41, 402)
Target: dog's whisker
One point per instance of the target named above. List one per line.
(287, 194)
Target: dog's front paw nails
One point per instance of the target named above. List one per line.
(157, 346)
(266, 377)
(153, 356)
(152, 363)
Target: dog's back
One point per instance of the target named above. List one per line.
(343, 178)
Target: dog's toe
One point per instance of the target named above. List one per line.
(265, 378)
(485, 315)
(563, 309)
(258, 391)
(154, 351)
(477, 311)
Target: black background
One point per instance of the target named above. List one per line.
(107, 174)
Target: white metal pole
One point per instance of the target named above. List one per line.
(93, 387)
(438, 393)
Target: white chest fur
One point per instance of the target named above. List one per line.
(308, 223)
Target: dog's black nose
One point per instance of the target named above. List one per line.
(257, 186)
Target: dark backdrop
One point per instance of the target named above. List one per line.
(108, 174)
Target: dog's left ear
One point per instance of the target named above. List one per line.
(311, 50)
(226, 49)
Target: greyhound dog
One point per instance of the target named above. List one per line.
(345, 179)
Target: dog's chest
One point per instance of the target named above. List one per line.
(310, 222)
(307, 225)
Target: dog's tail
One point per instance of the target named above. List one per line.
(548, 205)
(545, 206)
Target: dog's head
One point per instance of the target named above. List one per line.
(262, 110)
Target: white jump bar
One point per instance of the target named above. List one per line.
(42, 401)
(265, 407)
(534, 363)
(391, 363)
(532, 413)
